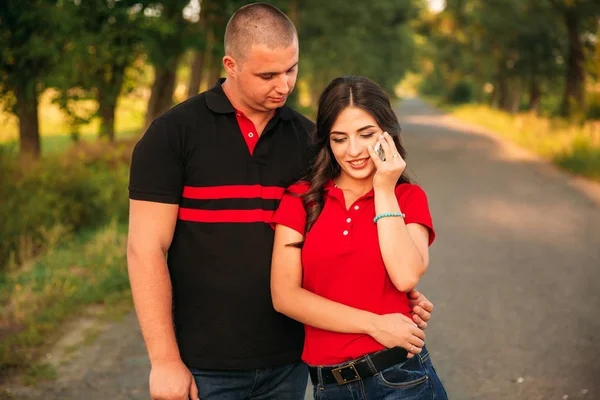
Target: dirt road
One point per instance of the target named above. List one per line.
(514, 276)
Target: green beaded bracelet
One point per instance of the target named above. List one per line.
(388, 215)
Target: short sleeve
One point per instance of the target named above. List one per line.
(291, 211)
(413, 203)
(157, 172)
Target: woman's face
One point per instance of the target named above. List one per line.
(351, 133)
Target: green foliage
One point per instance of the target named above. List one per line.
(372, 39)
(29, 46)
(461, 93)
(593, 108)
(167, 34)
(42, 205)
(583, 158)
(105, 38)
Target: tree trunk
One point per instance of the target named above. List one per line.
(107, 106)
(161, 97)
(209, 61)
(501, 92)
(196, 73)
(535, 94)
(515, 97)
(26, 109)
(108, 95)
(197, 67)
(215, 71)
(574, 95)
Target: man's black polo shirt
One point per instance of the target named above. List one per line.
(219, 260)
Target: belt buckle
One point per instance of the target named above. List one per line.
(339, 377)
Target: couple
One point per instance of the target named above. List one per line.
(208, 185)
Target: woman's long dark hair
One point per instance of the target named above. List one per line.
(343, 92)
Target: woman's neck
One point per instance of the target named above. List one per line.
(357, 187)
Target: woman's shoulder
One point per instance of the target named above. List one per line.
(407, 189)
(300, 187)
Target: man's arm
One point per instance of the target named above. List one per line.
(151, 228)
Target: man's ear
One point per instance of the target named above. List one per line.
(230, 66)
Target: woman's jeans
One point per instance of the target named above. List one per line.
(413, 379)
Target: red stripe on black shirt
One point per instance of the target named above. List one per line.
(233, 192)
(235, 216)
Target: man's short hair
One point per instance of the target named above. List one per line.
(257, 23)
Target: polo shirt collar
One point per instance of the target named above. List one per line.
(218, 102)
(332, 190)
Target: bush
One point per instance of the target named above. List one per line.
(42, 205)
(584, 158)
(593, 108)
(461, 92)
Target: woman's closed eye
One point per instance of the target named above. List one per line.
(367, 135)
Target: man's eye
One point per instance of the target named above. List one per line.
(291, 71)
(267, 77)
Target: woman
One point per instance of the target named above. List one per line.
(350, 242)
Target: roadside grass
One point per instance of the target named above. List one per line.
(55, 136)
(571, 146)
(36, 300)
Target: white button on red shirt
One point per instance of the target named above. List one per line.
(247, 127)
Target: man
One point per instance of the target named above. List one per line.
(205, 180)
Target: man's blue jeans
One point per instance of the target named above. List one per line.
(286, 382)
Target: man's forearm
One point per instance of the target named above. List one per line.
(152, 296)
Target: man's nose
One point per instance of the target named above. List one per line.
(282, 85)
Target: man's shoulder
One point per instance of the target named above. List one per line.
(193, 107)
(306, 123)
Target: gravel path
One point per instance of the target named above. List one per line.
(514, 276)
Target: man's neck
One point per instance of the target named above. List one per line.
(260, 118)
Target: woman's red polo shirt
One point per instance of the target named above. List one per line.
(341, 261)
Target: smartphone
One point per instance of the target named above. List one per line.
(379, 150)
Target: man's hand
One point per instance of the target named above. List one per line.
(171, 380)
(393, 330)
(421, 308)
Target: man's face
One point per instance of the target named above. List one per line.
(267, 76)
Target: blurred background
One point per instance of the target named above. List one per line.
(80, 80)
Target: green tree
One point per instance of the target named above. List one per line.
(106, 38)
(167, 35)
(579, 17)
(30, 47)
(374, 39)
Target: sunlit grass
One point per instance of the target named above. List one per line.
(54, 127)
(571, 146)
(35, 300)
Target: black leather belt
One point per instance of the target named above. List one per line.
(359, 368)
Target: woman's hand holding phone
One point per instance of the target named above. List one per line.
(389, 163)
